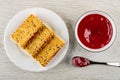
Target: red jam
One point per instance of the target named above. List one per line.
(95, 31)
(80, 61)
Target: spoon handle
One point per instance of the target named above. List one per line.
(114, 64)
(103, 63)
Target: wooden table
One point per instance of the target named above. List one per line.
(69, 10)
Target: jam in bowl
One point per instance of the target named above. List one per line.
(95, 31)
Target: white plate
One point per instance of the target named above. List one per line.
(20, 58)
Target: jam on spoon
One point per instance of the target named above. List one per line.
(81, 62)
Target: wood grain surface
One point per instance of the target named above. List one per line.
(69, 10)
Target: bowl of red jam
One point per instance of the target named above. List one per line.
(95, 31)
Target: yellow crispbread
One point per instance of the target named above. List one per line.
(26, 30)
(39, 41)
(49, 51)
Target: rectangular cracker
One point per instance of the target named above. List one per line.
(39, 41)
(50, 50)
(26, 30)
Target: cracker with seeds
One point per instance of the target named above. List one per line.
(26, 30)
(50, 50)
(39, 41)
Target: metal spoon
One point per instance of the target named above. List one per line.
(81, 62)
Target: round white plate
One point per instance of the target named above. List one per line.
(21, 59)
